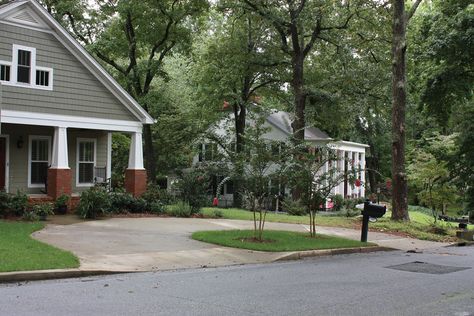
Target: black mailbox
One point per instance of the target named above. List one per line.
(370, 210)
(374, 210)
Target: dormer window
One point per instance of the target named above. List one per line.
(22, 71)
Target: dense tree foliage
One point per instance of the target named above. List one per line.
(336, 65)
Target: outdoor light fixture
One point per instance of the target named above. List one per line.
(19, 143)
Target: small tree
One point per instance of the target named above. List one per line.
(314, 173)
(431, 177)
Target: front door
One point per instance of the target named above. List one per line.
(3, 161)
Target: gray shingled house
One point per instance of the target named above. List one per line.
(59, 108)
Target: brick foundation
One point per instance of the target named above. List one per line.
(135, 181)
(59, 182)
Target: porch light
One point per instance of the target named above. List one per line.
(19, 142)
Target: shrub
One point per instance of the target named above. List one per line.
(19, 203)
(156, 207)
(338, 201)
(193, 188)
(4, 203)
(154, 193)
(94, 202)
(138, 205)
(30, 215)
(120, 202)
(294, 207)
(43, 209)
(180, 209)
(217, 214)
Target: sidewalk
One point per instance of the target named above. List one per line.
(154, 244)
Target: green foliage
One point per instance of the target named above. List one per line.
(94, 202)
(293, 207)
(61, 201)
(429, 173)
(13, 204)
(154, 193)
(19, 203)
(156, 207)
(180, 209)
(275, 240)
(193, 188)
(217, 214)
(338, 201)
(30, 216)
(42, 210)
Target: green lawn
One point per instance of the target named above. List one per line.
(419, 227)
(275, 240)
(20, 252)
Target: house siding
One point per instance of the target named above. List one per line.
(76, 91)
(18, 167)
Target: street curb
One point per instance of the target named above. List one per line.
(330, 252)
(21, 276)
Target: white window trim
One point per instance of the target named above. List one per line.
(14, 70)
(78, 141)
(48, 87)
(30, 141)
(6, 63)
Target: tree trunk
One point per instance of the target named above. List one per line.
(240, 117)
(299, 92)
(400, 188)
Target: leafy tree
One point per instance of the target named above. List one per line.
(296, 27)
(132, 39)
(399, 47)
(432, 177)
(236, 65)
(314, 173)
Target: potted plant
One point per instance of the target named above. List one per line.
(61, 204)
(43, 210)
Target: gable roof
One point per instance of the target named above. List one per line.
(78, 51)
(282, 120)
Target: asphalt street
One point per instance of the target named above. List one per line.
(359, 284)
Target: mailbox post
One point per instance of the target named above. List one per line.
(370, 210)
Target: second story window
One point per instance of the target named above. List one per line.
(4, 72)
(23, 71)
(42, 78)
(24, 66)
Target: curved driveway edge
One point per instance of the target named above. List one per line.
(151, 244)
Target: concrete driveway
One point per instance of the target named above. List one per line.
(148, 244)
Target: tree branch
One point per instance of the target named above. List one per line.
(413, 10)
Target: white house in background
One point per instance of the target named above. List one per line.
(351, 155)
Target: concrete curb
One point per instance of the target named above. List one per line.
(330, 252)
(21, 276)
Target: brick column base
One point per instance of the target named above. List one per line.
(59, 182)
(135, 181)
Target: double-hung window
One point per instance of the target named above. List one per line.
(23, 70)
(39, 160)
(86, 161)
(24, 66)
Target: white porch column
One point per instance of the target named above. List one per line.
(59, 159)
(362, 174)
(109, 156)
(340, 166)
(349, 172)
(357, 168)
(135, 159)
